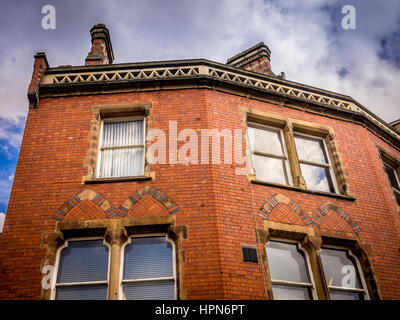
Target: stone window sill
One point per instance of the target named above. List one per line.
(117, 179)
(320, 193)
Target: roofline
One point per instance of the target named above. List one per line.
(187, 62)
(138, 66)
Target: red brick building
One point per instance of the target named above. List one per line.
(313, 212)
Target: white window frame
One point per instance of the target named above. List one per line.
(359, 270)
(316, 164)
(100, 147)
(122, 256)
(54, 283)
(308, 263)
(397, 179)
(285, 158)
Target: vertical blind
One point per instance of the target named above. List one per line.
(148, 269)
(122, 149)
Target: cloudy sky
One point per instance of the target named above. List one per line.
(305, 37)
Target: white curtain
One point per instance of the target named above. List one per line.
(122, 150)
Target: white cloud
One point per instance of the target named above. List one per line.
(16, 70)
(2, 219)
(5, 186)
(11, 132)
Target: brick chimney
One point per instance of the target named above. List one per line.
(257, 58)
(39, 67)
(101, 51)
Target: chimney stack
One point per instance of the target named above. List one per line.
(101, 51)
(39, 67)
(257, 58)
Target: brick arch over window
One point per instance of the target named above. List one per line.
(328, 216)
(149, 201)
(335, 218)
(88, 203)
(281, 208)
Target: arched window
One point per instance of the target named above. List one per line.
(82, 271)
(289, 271)
(341, 270)
(148, 270)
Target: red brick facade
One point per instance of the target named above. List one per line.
(220, 209)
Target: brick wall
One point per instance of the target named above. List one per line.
(219, 208)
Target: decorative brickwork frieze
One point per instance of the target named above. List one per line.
(273, 202)
(328, 216)
(78, 200)
(154, 195)
(335, 218)
(89, 204)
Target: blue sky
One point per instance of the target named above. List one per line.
(305, 37)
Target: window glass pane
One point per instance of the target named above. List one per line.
(282, 292)
(148, 258)
(317, 178)
(286, 262)
(397, 195)
(270, 169)
(122, 162)
(266, 141)
(392, 177)
(87, 292)
(340, 269)
(150, 290)
(345, 295)
(83, 261)
(123, 133)
(310, 149)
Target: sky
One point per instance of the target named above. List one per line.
(306, 38)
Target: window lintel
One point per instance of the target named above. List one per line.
(100, 225)
(123, 109)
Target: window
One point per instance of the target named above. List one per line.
(342, 275)
(294, 255)
(82, 271)
(314, 163)
(394, 181)
(122, 151)
(269, 154)
(286, 154)
(148, 270)
(289, 271)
